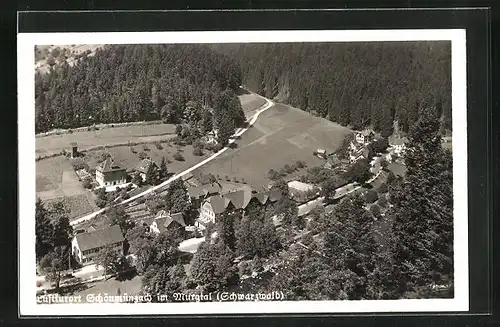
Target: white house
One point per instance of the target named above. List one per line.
(399, 145)
(108, 173)
(364, 137)
(211, 137)
(143, 167)
(85, 246)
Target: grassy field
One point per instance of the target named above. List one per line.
(107, 136)
(281, 135)
(56, 180)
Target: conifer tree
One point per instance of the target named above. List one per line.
(423, 226)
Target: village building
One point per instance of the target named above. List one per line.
(85, 246)
(143, 167)
(364, 137)
(320, 153)
(198, 193)
(332, 162)
(358, 152)
(399, 145)
(212, 207)
(109, 173)
(211, 137)
(165, 221)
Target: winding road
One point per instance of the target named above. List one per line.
(238, 133)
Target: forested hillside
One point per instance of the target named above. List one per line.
(356, 84)
(124, 83)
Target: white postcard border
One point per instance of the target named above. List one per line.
(27, 173)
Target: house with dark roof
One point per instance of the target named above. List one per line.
(358, 153)
(214, 206)
(85, 246)
(165, 221)
(109, 173)
(143, 167)
(198, 193)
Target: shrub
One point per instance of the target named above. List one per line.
(300, 164)
(87, 183)
(133, 150)
(145, 147)
(288, 169)
(384, 164)
(197, 151)
(70, 131)
(101, 203)
(159, 146)
(217, 147)
(142, 155)
(390, 178)
(307, 239)
(273, 175)
(371, 196)
(245, 268)
(283, 172)
(382, 201)
(375, 210)
(178, 156)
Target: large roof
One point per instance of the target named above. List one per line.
(164, 219)
(99, 238)
(143, 166)
(204, 190)
(239, 199)
(109, 165)
(218, 203)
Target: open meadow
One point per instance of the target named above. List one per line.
(281, 135)
(56, 180)
(86, 140)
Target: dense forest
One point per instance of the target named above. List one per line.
(123, 83)
(355, 84)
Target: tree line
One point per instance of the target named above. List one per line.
(355, 84)
(124, 83)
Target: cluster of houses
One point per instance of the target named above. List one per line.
(211, 200)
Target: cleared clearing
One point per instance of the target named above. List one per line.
(282, 135)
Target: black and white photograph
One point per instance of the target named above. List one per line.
(238, 172)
